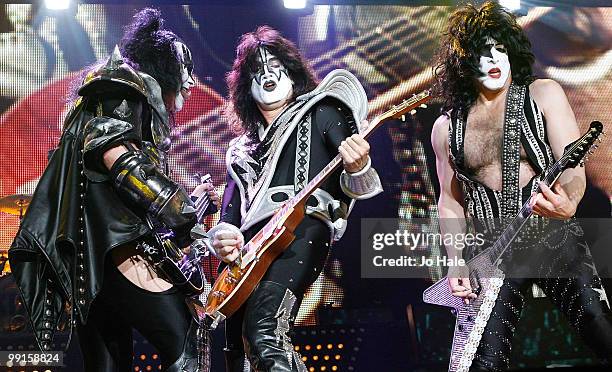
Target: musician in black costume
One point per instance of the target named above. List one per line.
(292, 128)
(485, 79)
(77, 246)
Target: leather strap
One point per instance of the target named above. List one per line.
(513, 120)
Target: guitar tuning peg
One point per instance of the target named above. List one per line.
(412, 112)
(403, 118)
(423, 105)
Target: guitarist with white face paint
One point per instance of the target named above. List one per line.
(292, 129)
(500, 130)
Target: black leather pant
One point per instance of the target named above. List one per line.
(260, 327)
(575, 290)
(162, 318)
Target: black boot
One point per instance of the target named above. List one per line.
(234, 360)
(269, 316)
(188, 360)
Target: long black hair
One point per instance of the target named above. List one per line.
(149, 47)
(242, 112)
(458, 57)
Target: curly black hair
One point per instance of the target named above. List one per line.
(149, 47)
(457, 65)
(242, 112)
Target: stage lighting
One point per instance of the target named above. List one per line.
(511, 4)
(57, 4)
(295, 4)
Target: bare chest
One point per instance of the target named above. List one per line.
(483, 148)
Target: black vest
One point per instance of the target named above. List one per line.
(480, 201)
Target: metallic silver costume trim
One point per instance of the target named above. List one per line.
(123, 110)
(160, 119)
(198, 232)
(339, 84)
(268, 206)
(514, 120)
(361, 185)
(283, 318)
(257, 172)
(302, 153)
(114, 71)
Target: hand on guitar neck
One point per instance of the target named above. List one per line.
(227, 245)
(553, 202)
(355, 152)
(205, 194)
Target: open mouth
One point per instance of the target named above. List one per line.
(269, 86)
(495, 73)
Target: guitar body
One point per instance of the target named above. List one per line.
(182, 270)
(485, 276)
(472, 318)
(237, 281)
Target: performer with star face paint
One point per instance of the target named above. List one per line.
(78, 247)
(291, 129)
(484, 74)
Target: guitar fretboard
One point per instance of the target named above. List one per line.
(550, 176)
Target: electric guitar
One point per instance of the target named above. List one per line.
(237, 281)
(485, 275)
(182, 269)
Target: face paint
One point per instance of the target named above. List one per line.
(494, 65)
(271, 86)
(184, 55)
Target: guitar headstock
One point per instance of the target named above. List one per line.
(398, 111)
(408, 105)
(576, 152)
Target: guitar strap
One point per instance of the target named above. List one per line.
(511, 200)
(513, 122)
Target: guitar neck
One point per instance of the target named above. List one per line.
(301, 197)
(511, 231)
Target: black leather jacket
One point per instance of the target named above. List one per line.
(76, 217)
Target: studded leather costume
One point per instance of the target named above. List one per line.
(81, 211)
(575, 287)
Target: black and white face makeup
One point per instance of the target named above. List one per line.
(187, 80)
(271, 85)
(494, 65)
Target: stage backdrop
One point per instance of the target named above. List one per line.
(388, 48)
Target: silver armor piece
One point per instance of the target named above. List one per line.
(123, 110)
(113, 72)
(160, 119)
(139, 180)
(98, 133)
